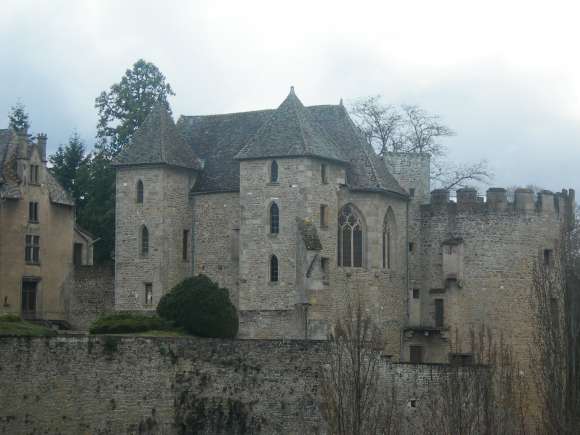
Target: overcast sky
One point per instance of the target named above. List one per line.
(505, 75)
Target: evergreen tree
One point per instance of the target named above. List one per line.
(18, 118)
(97, 213)
(70, 168)
(121, 111)
(124, 107)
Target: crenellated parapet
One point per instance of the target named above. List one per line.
(496, 200)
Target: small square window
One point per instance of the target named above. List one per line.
(416, 354)
(416, 293)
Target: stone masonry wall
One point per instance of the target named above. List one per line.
(166, 212)
(216, 238)
(137, 385)
(89, 293)
(495, 252)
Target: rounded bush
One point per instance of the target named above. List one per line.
(200, 307)
(126, 322)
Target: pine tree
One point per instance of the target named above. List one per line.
(70, 168)
(126, 105)
(18, 118)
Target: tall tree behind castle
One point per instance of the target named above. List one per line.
(125, 106)
(411, 129)
(18, 118)
(121, 112)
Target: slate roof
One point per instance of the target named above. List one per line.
(5, 137)
(217, 140)
(291, 132)
(158, 141)
(10, 187)
(309, 235)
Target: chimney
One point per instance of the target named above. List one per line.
(41, 142)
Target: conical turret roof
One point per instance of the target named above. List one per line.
(158, 141)
(291, 132)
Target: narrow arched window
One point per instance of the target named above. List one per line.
(139, 192)
(273, 268)
(388, 239)
(274, 219)
(144, 241)
(274, 172)
(350, 238)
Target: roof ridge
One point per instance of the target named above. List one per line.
(297, 104)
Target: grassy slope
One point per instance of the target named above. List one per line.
(24, 329)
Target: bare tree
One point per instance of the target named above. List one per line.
(556, 349)
(355, 400)
(411, 129)
(485, 397)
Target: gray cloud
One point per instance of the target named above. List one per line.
(57, 56)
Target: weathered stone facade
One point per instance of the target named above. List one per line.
(38, 235)
(424, 266)
(114, 385)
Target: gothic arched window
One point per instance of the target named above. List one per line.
(388, 239)
(274, 172)
(139, 192)
(273, 268)
(274, 219)
(144, 241)
(350, 238)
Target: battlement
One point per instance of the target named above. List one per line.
(496, 200)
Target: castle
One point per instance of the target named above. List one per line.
(294, 213)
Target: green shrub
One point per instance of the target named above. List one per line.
(10, 318)
(126, 323)
(200, 307)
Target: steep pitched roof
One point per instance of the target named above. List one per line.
(158, 141)
(291, 132)
(366, 170)
(10, 185)
(5, 138)
(218, 138)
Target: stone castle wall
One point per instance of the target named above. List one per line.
(89, 293)
(166, 212)
(216, 238)
(478, 258)
(136, 385)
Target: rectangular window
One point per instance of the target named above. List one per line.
(33, 212)
(33, 174)
(148, 294)
(439, 313)
(416, 293)
(323, 176)
(78, 254)
(411, 247)
(416, 354)
(32, 251)
(324, 265)
(323, 216)
(412, 192)
(548, 257)
(185, 245)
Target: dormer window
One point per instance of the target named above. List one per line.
(274, 172)
(34, 174)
